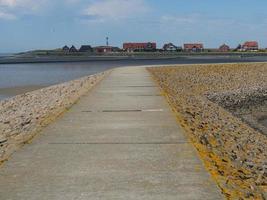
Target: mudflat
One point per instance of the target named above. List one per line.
(264, 121)
(13, 91)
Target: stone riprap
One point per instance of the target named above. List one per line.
(234, 153)
(118, 142)
(248, 104)
(23, 116)
(242, 98)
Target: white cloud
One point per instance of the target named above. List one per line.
(7, 16)
(177, 19)
(28, 4)
(115, 9)
(72, 1)
(196, 20)
(9, 3)
(12, 9)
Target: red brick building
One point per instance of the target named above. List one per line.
(224, 48)
(194, 47)
(146, 46)
(105, 49)
(250, 46)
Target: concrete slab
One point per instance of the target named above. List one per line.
(120, 141)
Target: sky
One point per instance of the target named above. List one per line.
(48, 24)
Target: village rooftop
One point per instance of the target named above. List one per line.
(168, 47)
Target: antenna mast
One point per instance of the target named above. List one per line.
(107, 43)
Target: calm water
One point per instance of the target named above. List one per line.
(44, 74)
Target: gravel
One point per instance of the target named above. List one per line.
(203, 98)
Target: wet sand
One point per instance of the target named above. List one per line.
(13, 91)
(255, 119)
(264, 122)
(253, 113)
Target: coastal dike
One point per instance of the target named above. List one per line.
(119, 141)
(24, 116)
(223, 110)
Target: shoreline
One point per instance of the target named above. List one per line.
(62, 59)
(23, 116)
(17, 90)
(9, 92)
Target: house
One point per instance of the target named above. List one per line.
(224, 48)
(194, 47)
(66, 49)
(73, 49)
(116, 49)
(145, 46)
(105, 49)
(250, 46)
(170, 47)
(179, 48)
(238, 48)
(86, 48)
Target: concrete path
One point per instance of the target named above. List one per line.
(121, 141)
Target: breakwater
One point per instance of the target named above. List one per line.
(233, 151)
(23, 116)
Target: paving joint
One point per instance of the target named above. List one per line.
(137, 153)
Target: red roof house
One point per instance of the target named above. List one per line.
(194, 47)
(224, 48)
(250, 46)
(105, 49)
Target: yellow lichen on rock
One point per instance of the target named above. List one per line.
(233, 152)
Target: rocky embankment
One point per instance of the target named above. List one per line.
(248, 104)
(233, 152)
(23, 116)
(242, 98)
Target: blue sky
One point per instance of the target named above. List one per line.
(48, 24)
